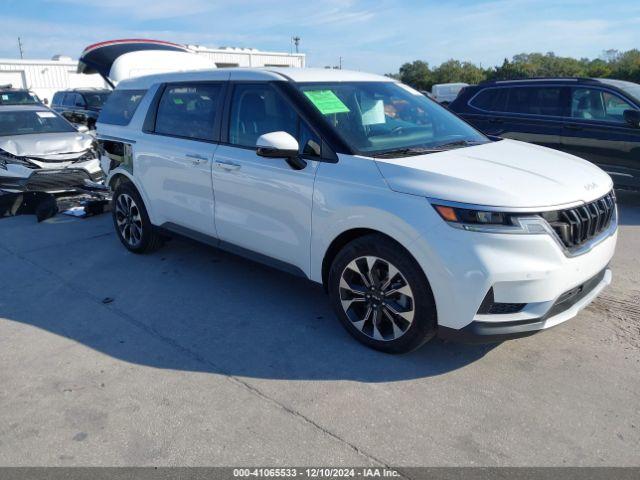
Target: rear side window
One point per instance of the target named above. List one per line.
(490, 99)
(188, 111)
(535, 100)
(120, 107)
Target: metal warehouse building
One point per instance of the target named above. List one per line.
(45, 77)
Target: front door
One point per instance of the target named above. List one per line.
(264, 204)
(597, 131)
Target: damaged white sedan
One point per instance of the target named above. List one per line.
(41, 151)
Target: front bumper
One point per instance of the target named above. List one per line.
(530, 271)
(52, 181)
(567, 306)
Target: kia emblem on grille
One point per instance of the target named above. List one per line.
(591, 186)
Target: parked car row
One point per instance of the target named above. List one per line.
(80, 106)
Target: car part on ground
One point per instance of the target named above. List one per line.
(85, 202)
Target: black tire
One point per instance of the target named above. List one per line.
(148, 239)
(419, 301)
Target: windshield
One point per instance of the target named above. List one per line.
(632, 90)
(17, 97)
(32, 121)
(379, 117)
(96, 100)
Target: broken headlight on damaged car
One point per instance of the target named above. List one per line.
(479, 220)
(7, 158)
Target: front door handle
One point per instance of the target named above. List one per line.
(228, 166)
(495, 120)
(571, 126)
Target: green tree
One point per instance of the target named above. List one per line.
(417, 74)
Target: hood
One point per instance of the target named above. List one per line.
(505, 173)
(48, 146)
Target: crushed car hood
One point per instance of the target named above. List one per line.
(47, 146)
(505, 173)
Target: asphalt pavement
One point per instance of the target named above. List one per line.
(192, 356)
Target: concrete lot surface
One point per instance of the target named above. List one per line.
(190, 356)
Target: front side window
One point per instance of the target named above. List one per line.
(595, 104)
(535, 100)
(120, 107)
(377, 117)
(259, 109)
(188, 111)
(32, 121)
(256, 110)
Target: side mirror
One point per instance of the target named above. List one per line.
(82, 128)
(277, 145)
(632, 117)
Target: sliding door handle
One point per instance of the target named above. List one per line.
(197, 158)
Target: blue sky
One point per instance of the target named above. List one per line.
(376, 36)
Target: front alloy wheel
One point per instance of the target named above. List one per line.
(376, 298)
(381, 294)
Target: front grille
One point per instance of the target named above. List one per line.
(576, 226)
(44, 180)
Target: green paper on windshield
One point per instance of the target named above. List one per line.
(326, 101)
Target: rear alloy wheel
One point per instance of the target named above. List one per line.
(381, 295)
(131, 220)
(128, 220)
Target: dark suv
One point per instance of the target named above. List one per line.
(80, 106)
(596, 119)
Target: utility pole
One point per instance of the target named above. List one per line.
(340, 63)
(20, 48)
(296, 42)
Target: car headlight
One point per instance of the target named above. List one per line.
(478, 220)
(6, 157)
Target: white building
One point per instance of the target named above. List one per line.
(249, 57)
(45, 77)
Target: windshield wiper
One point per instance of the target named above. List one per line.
(458, 143)
(407, 152)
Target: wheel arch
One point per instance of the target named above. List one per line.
(344, 239)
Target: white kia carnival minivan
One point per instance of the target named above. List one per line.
(415, 223)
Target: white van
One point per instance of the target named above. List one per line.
(415, 223)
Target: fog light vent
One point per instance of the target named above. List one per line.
(490, 307)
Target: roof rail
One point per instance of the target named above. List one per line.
(544, 79)
(7, 85)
